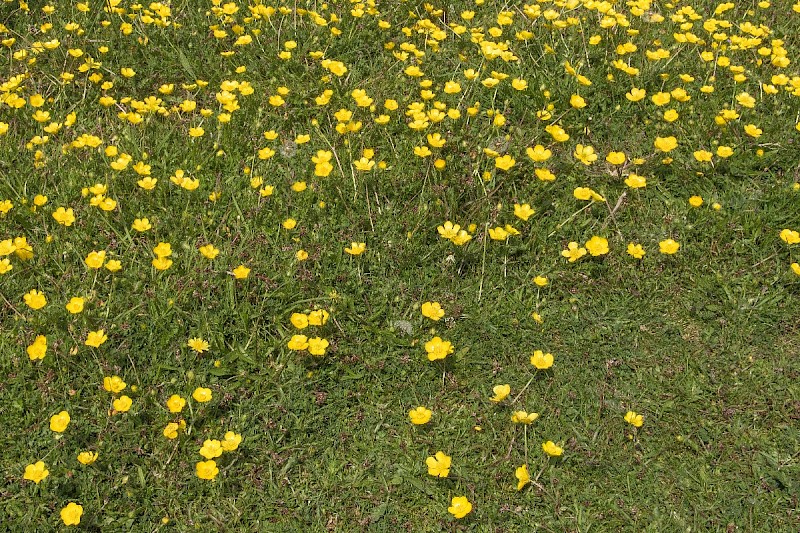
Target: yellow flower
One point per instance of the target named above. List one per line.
(175, 404)
(523, 212)
(298, 343)
(122, 404)
(668, 246)
(231, 441)
(635, 250)
(665, 144)
(141, 224)
(541, 360)
(356, 248)
(438, 349)
(523, 417)
(696, 201)
(551, 449)
(63, 216)
(317, 346)
(35, 299)
(790, 236)
(585, 154)
(318, 317)
(634, 181)
(202, 394)
(724, 151)
(38, 349)
(634, 419)
(71, 514)
(299, 320)
(635, 94)
(96, 338)
(432, 310)
(505, 162)
(95, 260)
(59, 422)
(702, 156)
(438, 465)
(597, 246)
(163, 249)
(459, 507)
(540, 281)
(616, 158)
(289, 223)
(419, 415)
(75, 305)
(523, 476)
(577, 101)
(113, 384)
(209, 251)
(500, 393)
(171, 430)
(241, 272)
(36, 472)
(573, 252)
(207, 469)
(211, 448)
(87, 458)
(796, 268)
(197, 344)
(161, 263)
(539, 153)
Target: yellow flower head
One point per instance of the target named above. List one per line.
(438, 465)
(432, 310)
(59, 421)
(459, 507)
(438, 349)
(501, 392)
(419, 415)
(36, 472)
(541, 360)
(634, 419)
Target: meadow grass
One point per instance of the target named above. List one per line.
(226, 107)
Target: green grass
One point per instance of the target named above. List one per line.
(703, 343)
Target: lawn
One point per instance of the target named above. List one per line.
(371, 266)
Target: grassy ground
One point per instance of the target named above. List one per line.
(702, 343)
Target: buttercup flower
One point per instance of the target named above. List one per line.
(541, 360)
(356, 248)
(202, 394)
(438, 465)
(597, 246)
(634, 419)
(317, 346)
(113, 384)
(551, 449)
(207, 469)
(432, 310)
(231, 441)
(175, 404)
(241, 272)
(96, 338)
(438, 349)
(419, 415)
(636, 251)
(524, 417)
(35, 299)
(460, 507)
(573, 252)
(211, 449)
(71, 514)
(523, 476)
(668, 246)
(500, 392)
(790, 236)
(59, 422)
(122, 404)
(36, 472)
(87, 458)
(298, 343)
(38, 349)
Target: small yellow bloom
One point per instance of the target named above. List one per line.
(175, 404)
(198, 344)
(71, 514)
(317, 346)
(432, 310)
(541, 360)
(96, 338)
(87, 458)
(356, 248)
(636, 251)
(523, 476)
(202, 394)
(122, 404)
(523, 417)
(207, 469)
(668, 246)
(231, 441)
(241, 272)
(75, 305)
(298, 343)
(289, 223)
(634, 419)
(500, 392)
(59, 422)
(36, 472)
(419, 415)
(696, 201)
(113, 384)
(460, 507)
(551, 449)
(38, 348)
